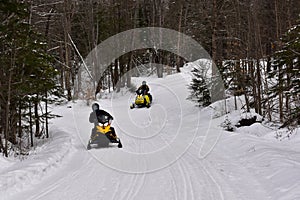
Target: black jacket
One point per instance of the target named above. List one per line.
(145, 89)
(94, 116)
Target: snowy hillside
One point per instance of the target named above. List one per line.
(172, 150)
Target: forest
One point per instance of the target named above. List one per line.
(254, 44)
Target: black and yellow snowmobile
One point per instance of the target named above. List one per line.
(103, 134)
(141, 100)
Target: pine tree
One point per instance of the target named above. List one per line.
(27, 73)
(287, 74)
(199, 89)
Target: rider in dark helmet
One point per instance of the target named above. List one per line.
(96, 114)
(145, 90)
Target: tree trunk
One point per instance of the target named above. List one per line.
(280, 95)
(30, 123)
(129, 67)
(116, 74)
(214, 37)
(37, 118)
(288, 83)
(179, 39)
(46, 115)
(7, 116)
(253, 83)
(258, 71)
(62, 66)
(1, 144)
(67, 42)
(19, 121)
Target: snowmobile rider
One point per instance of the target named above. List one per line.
(95, 114)
(145, 90)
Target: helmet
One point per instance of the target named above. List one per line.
(95, 106)
(144, 83)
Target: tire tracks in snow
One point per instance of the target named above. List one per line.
(56, 184)
(173, 179)
(174, 185)
(227, 174)
(188, 186)
(193, 182)
(208, 175)
(187, 183)
(172, 174)
(136, 183)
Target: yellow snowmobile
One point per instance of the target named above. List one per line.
(103, 134)
(141, 100)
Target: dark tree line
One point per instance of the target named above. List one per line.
(27, 78)
(256, 49)
(284, 95)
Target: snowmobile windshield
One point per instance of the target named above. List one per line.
(103, 119)
(106, 124)
(140, 92)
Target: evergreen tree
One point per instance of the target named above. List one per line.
(199, 89)
(27, 72)
(287, 74)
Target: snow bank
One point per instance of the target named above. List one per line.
(274, 164)
(256, 129)
(270, 157)
(17, 175)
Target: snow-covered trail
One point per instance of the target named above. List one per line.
(167, 154)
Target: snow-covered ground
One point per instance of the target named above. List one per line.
(172, 150)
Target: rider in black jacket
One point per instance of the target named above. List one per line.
(95, 115)
(145, 90)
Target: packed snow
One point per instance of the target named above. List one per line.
(173, 150)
